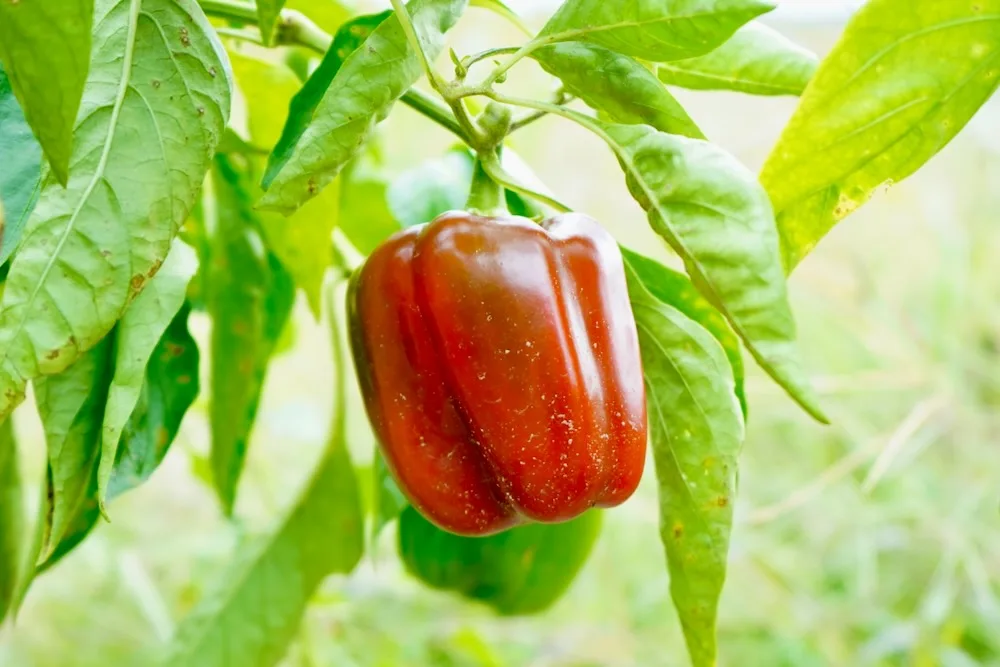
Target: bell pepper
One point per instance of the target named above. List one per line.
(498, 360)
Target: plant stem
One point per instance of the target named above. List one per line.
(486, 196)
(469, 61)
(491, 165)
(296, 29)
(411, 36)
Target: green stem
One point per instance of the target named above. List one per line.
(491, 164)
(469, 61)
(486, 196)
(411, 36)
(295, 29)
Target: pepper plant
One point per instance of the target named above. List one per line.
(145, 183)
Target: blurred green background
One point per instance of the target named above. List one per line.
(870, 542)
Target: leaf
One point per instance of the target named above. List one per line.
(253, 615)
(656, 30)
(12, 528)
(251, 299)
(616, 85)
(696, 431)
(170, 388)
(80, 526)
(136, 338)
(500, 9)
(902, 81)
(21, 177)
(45, 48)
(301, 242)
(156, 101)
(420, 194)
(327, 14)
(71, 407)
(387, 499)
(520, 571)
(360, 96)
(677, 290)
(267, 16)
(302, 108)
(715, 215)
(365, 217)
(757, 60)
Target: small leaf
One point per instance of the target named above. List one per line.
(251, 299)
(170, 388)
(520, 571)
(302, 241)
(904, 79)
(655, 30)
(715, 215)
(21, 177)
(616, 85)
(71, 407)
(267, 16)
(696, 431)
(360, 96)
(420, 194)
(302, 107)
(12, 528)
(757, 60)
(136, 337)
(500, 9)
(677, 290)
(45, 49)
(156, 101)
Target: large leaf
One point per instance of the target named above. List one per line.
(156, 101)
(252, 616)
(677, 290)
(696, 431)
(523, 570)
(904, 79)
(715, 215)
(170, 388)
(617, 85)
(302, 107)
(757, 60)
(71, 407)
(12, 528)
(301, 242)
(21, 176)
(136, 337)
(656, 30)
(361, 95)
(365, 217)
(45, 49)
(250, 301)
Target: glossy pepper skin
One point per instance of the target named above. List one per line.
(499, 364)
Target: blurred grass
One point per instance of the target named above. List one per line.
(871, 542)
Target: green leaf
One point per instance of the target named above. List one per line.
(136, 337)
(156, 102)
(520, 571)
(500, 9)
(420, 194)
(656, 30)
(71, 407)
(80, 526)
(45, 48)
(21, 177)
(677, 290)
(302, 241)
(365, 217)
(904, 79)
(267, 16)
(12, 528)
(169, 390)
(757, 60)
(327, 14)
(715, 215)
(302, 108)
(253, 615)
(616, 85)
(361, 95)
(696, 431)
(251, 299)
(388, 500)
